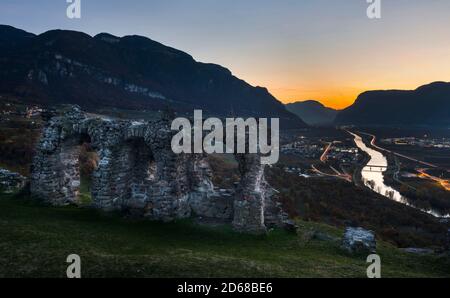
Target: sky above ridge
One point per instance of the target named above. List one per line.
(328, 50)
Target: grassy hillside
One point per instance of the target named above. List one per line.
(35, 241)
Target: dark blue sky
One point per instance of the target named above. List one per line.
(300, 49)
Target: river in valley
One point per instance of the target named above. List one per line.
(372, 175)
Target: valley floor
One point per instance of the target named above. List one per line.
(36, 240)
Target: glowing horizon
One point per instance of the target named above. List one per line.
(336, 99)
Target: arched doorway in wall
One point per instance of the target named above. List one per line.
(75, 162)
(142, 171)
(225, 172)
(213, 180)
(88, 163)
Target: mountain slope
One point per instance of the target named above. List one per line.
(313, 112)
(131, 72)
(10, 36)
(427, 105)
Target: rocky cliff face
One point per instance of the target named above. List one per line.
(130, 72)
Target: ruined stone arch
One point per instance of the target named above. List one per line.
(139, 173)
(55, 175)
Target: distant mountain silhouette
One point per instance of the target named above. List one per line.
(428, 105)
(131, 72)
(313, 112)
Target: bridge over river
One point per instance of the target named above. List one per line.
(375, 168)
(372, 175)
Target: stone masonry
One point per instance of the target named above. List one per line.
(10, 181)
(139, 173)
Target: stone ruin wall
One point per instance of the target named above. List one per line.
(139, 173)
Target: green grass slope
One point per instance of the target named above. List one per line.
(35, 241)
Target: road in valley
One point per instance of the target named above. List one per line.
(374, 138)
(443, 182)
(323, 159)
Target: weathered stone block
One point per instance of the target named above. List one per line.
(359, 240)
